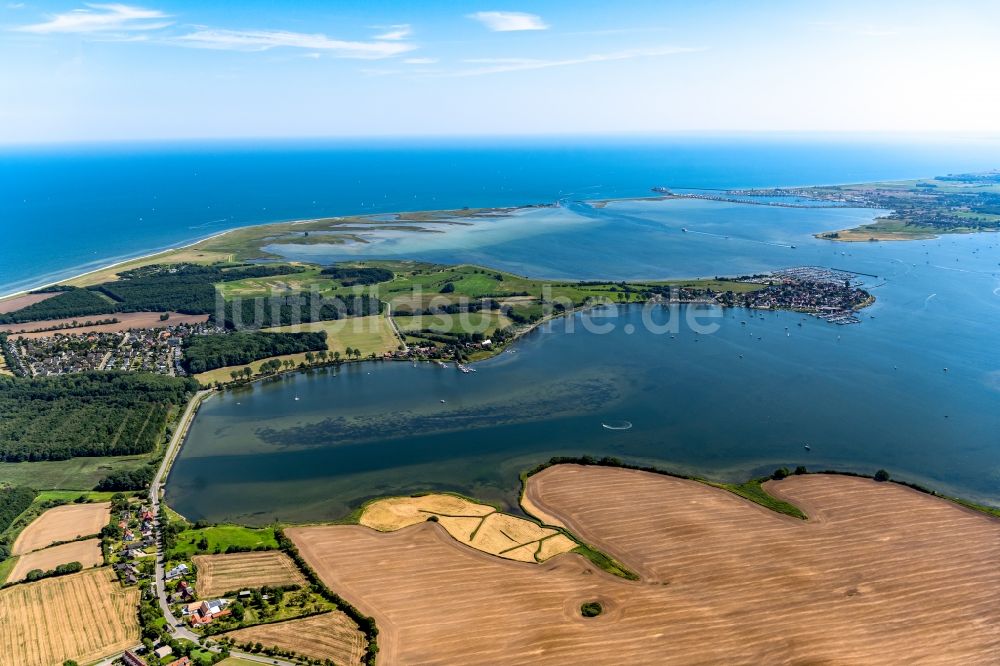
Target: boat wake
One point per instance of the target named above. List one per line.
(618, 425)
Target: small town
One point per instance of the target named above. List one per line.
(156, 350)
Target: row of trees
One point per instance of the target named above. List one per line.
(276, 365)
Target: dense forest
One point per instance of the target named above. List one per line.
(185, 288)
(190, 292)
(352, 275)
(208, 352)
(86, 414)
(70, 302)
(301, 308)
(13, 502)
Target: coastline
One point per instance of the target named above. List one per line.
(114, 264)
(117, 262)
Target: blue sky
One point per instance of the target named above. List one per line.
(166, 69)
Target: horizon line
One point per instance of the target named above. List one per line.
(930, 135)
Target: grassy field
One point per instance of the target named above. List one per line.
(84, 617)
(371, 334)
(468, 322)
(278, 285)
(753, 491)
(221, 537)
(74, 474)
(6, 567)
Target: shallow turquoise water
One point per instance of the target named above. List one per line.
(729, 404)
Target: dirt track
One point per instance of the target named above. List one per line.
(880, 574)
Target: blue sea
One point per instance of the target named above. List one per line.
(68, 209)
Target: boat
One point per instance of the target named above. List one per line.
(807, 447)
(296, 397)
(443, 400)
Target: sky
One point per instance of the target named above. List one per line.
(165, 69)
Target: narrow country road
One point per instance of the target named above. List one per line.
(175, 626)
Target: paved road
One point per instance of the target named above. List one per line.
(154, 500)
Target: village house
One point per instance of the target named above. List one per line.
(203, 612)
(178, 571)
(132, 659)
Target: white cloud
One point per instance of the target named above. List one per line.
(15, 5)
(500, 65)
(509, 21)
(394, 33)
(101, 18)
(262, 40)
(420, 61)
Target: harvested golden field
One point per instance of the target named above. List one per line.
(328, 636)
(87, 553)
(218, 574)
(477, 525)
(83, 617)
(879, 574)
(395, 513)
(126, 320)
(62, 523)
(24, 300)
